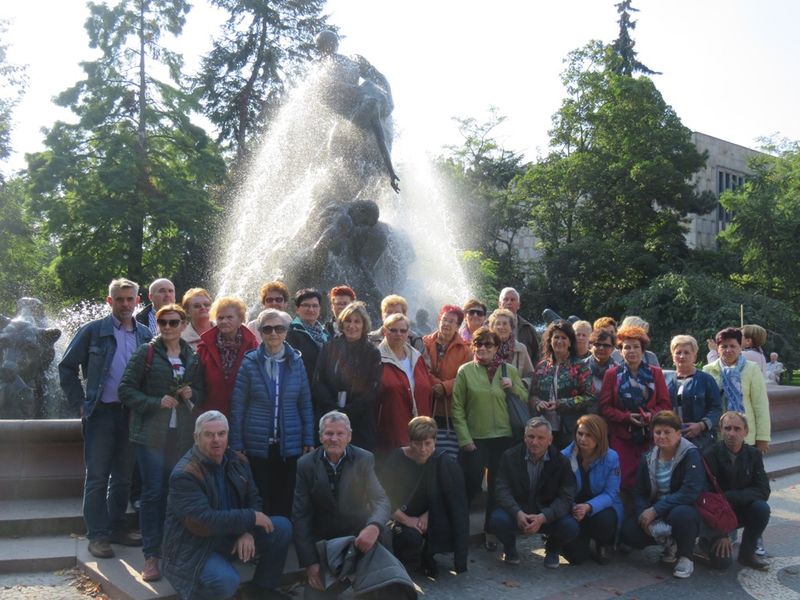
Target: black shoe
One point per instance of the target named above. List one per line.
(602, 555)
(754, 561)
(430, 568)
(490, 542)
(126, 538)
(511, 557)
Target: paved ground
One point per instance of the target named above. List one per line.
(627, 577)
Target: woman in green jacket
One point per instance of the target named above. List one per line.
(480, 415)
(161, 385)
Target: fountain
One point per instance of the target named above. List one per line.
(320, 206)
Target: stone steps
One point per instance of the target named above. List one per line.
(38, 553)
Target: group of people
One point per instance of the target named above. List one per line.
(246, 435)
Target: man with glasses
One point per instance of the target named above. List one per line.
(161, 293)
(340, 296)
(100, 352)
(273, 294)
(306, 333)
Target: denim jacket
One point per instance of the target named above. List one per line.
(90, 352)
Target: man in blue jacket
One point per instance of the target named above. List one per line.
(214, 515)
(100, 351)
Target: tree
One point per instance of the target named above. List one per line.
(244, 77)
(12, 84)
(127, 188)
(628, 64)
(766, 224)
(609, 201)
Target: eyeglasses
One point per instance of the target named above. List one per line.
(274, 300)
(476, 312)
(484, 345)
(395, 331)
(169, 322)
(601, 345)
(269, 329)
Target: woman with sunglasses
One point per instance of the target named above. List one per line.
(480, 416)
(405, 390)
(162, 384)
(272, 420)
(474, 319)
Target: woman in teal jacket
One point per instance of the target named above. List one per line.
(480, 416)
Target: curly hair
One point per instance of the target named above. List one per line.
(633, 333)
(547, 346)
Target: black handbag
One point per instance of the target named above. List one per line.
(519, 413)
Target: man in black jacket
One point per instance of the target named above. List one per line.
(739, 470)
(337, 494)
(534, 494)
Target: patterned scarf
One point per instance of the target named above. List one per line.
(635, 391)
(491, 368)
(732, 383)
(228, 351)
(273, 362)
(316, 331)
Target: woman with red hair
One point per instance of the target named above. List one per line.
(632, 393)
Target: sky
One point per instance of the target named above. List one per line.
(729, 66)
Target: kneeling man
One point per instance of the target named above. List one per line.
(739, 470)
(214, 515)
(534, 494)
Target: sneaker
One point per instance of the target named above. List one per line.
(551, 560)
(511, 557)
(151, 572)
(684, 568)
(760, 550)
(101, 549)
(126, 538)
(670, 554)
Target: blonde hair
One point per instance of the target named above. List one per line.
(359, 309)
(581, 324)
(394, 318)
(228, 302)
(502, 312)
(191, 293)
(756, 333)
(393, 299)
(634, 321)
(681, 340)
(597, 429)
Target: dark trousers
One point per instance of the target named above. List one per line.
(602, 528)
(410, 546)
(754, 518)
(108, 457)
(274, 477)
(559, 533)
(685, 523)
(486, 456)
(155, 465)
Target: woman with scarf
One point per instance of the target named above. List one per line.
(631, 394)
(561, 387)
(743, 387)
(601, 347)
(474, 318)
(510, 350)
(197, 304)
(480, 416)
(405, 390)
(221, 350)
(348, 375)
(306, 333)
(272, 420)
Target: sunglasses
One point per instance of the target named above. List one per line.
(395, 331)
(274, 300)
(169, 322)
(476, 312)
(484, 345)
(602, 345)
(268, 329)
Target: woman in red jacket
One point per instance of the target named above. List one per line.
(632, 393)
(221, 349)
(405, 390)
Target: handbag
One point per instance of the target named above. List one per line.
(714, 507)
(519, 412)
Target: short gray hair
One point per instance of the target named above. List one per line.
(272, 313)
(539, 422)
(120, 284)
(334, 416)
(208, 417)
(154, 286)
(502, 312)
(506, 290)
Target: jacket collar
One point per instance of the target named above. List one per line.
(389, 357)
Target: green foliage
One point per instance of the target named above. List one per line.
(482, 272)
(609, 201)
(127, 189)
(12, 83)
(244, 77)
(765, 228)
(623, 46)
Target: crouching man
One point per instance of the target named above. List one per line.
(214, 516)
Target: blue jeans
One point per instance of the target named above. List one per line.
(155, 466)
(219, 578)
(559, 532)
(108, 458)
